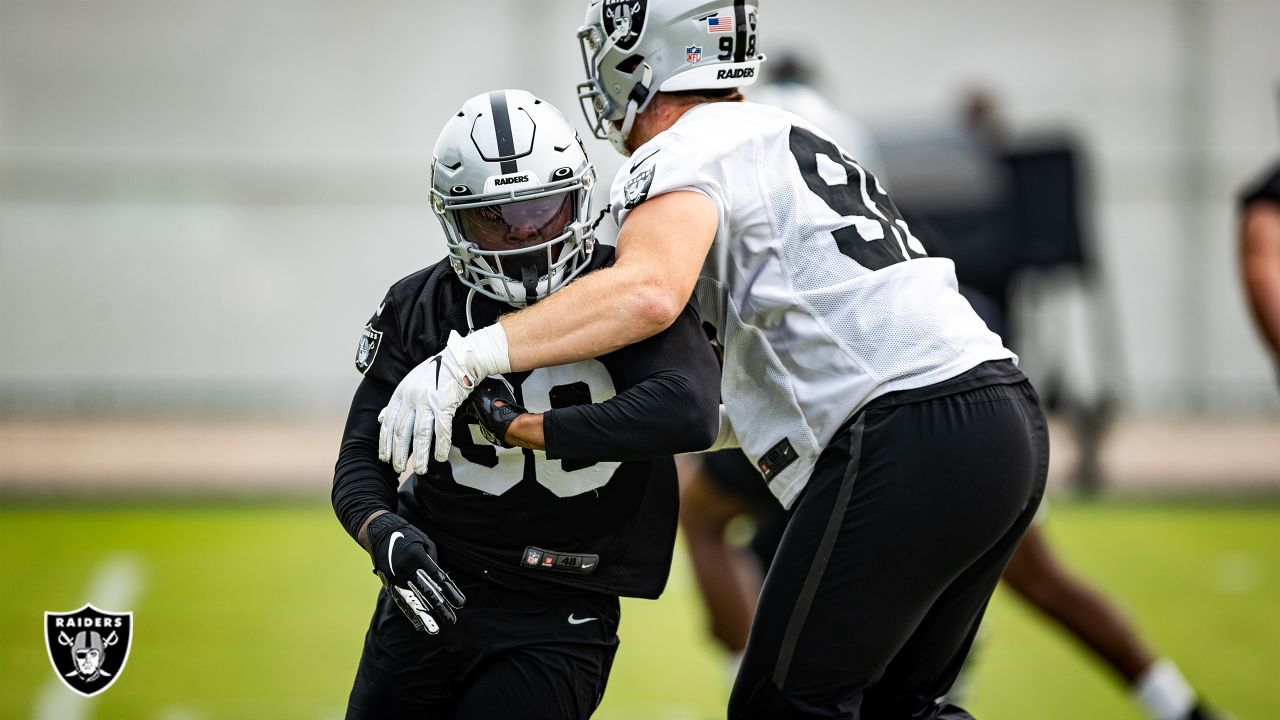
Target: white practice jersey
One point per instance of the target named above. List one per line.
(821, 297)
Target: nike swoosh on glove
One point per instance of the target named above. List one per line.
(405, 559)
(422, 407)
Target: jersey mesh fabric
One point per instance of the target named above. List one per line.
(819, 311)
(754, 384)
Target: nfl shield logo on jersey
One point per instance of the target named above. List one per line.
(88, 647)
(693, 53)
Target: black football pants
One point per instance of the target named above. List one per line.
(510, 655)
(890, 555)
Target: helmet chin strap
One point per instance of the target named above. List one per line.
(618, 136)
(529, 279)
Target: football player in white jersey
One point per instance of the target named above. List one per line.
(876, 405)
(717, 488)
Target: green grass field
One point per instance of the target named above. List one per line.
(257, 611)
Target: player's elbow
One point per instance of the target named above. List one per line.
(655, 307)
(705, 429)
(699, 418)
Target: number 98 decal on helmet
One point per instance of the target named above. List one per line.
(511, 185)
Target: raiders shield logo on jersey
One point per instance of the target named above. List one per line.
(624, 21)
(367, 350)
(88, 647)
(637, 189)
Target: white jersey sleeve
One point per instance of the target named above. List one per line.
(821, 297)
(671, 162)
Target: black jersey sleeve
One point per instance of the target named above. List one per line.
(363, 484)
(670, 404)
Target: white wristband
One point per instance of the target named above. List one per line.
(488, 352)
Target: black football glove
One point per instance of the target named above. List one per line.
(493, 405)
(405, 559)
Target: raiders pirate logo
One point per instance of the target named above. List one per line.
(367, 350)
(624, 21)
(88, 647)
(637, 189)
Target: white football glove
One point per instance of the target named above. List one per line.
(423, 404)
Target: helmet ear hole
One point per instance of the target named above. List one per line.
(629, 64)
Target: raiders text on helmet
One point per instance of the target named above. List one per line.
(511, 185)
(634, 48)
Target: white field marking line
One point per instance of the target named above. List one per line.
(116, 583)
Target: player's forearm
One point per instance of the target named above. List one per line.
(669, 404)
(683, 425)
(359, 493)
(593, 316)
(363, 536)
(362, 486)
(665, 414)
(661, 249)
(526, 432)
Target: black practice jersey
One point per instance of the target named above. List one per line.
(597, 511)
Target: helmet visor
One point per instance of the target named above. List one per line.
(517, 225)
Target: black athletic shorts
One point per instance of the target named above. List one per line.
(892, 551)
(510, 655)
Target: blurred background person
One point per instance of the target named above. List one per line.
(791, 82)
(1013, 212)
(1260, 256)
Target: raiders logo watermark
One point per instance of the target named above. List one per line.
(367, 350)
(88, 647)
(624, 21)
(637, 189)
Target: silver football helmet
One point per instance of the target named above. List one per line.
(634, 48)
(511, 185)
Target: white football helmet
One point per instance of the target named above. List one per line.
(511, 185)
(632, 49)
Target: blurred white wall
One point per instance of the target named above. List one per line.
(201, 203)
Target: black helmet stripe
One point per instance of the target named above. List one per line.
(502, 126)
(740, 29)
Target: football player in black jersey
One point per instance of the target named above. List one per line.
(510, 556)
